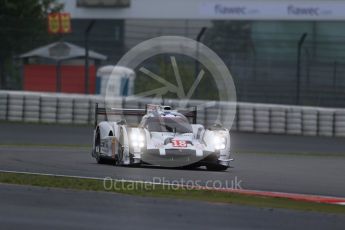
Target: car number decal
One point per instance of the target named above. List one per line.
(179, 143)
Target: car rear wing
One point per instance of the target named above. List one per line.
(117, 111)
(138, 112)
(190, 114)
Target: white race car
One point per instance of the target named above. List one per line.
(164, 137)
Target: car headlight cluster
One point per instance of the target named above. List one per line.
(219, 142)
(137, 139)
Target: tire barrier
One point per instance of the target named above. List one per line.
(3, 106)
(339, 123)
(48, 109)
(15, 107)
(278, 124)
(65, 110)
(250, 117)
(81, 108)
(325, 123)
(261, 118)
(294, 121)
(309, 121)
(245, 117)
(31, 110)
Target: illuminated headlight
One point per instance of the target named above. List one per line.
(137, 139)
(219, 142)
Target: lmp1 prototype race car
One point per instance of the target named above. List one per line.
(164, 137)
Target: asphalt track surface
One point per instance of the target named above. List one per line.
(26, 207)
(283, 164)
(263, 162)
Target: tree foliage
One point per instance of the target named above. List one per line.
(23, 26)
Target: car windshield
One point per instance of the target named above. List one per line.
(169, 124)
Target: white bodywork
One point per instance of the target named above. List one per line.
(134, 145)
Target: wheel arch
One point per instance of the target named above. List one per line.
(105, 129)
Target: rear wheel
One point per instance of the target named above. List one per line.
(99, 158)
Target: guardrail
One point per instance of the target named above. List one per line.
(251, 117)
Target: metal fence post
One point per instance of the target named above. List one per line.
(317, 123)
(23, 109)
(7, 105)
(73, 110)
(269, 120)
(40, 109)
(286, 121)
(298, 71)
(334, 124)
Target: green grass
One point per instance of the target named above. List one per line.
(141, 189)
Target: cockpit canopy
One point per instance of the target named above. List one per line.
(176, 124)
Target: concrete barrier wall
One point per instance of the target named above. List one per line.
(250, 117)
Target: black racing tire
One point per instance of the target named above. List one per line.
(192, 166)
(99, 158)
(212, 164)
(216, 167)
